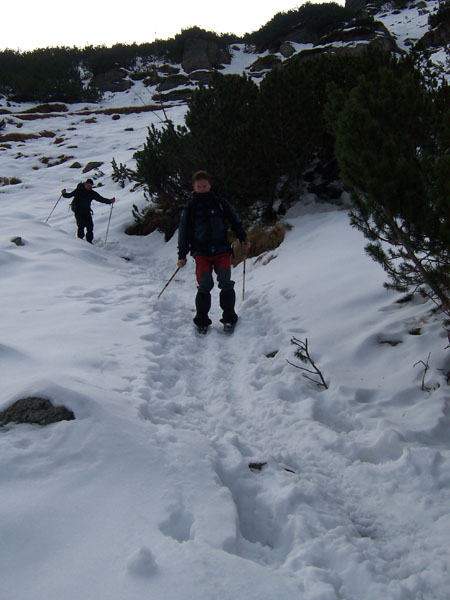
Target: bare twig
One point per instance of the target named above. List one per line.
(163, 108)
(425, 371)
(303, 354)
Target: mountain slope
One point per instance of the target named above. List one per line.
(353, 497)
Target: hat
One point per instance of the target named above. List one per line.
(89, 181)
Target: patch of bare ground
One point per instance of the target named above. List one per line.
(262, 240)
(35, 116)
(53, 162)
(47, 134)
(47, 108)
(18, 137)
(124, 110)
(9, 181)
(41, 112)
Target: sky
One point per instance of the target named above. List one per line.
(50, 24)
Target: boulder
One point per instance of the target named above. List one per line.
(301, 35)
(112, 81)
(152, 79)
(287, 49)
(39, 411)
(354, 40)
(17, 241)
(167, 69)
(265, 62)
(200, 53)
(92, 165)
(182, 94)
(201, 77)
(439, 36)
(363, 31)
(171, 82)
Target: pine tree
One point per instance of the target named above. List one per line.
(293, 102)
(164, 168)
(392, 146)
(224, 138)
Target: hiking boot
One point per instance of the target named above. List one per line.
(202, 329)
(229, 327)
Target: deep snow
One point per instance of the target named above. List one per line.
(148, 493)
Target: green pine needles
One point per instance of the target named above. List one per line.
(393, 149)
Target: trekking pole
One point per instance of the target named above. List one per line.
(243, 278)
(168, 282)
(53, 209)
(109, 221)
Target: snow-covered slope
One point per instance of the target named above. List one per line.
(148, 492)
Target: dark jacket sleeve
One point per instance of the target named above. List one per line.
(183, 233)
(96, 196)
(234, 219)
(69, 194)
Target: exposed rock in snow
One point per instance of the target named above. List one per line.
(35, 410)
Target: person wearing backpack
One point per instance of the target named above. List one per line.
(82, 196)
(203, 233)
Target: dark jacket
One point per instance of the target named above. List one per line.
(82, 199)
(203, 226)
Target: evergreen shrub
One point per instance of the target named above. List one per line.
(393, 147)
(255, 141)
(44, 75)
(316, 18)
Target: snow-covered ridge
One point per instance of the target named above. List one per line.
(148, 492)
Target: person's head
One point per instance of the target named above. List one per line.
(88, 184)
(201, 182)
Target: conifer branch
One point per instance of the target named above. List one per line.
(303, 354)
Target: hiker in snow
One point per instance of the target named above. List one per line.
(203, 233)
(82, 196)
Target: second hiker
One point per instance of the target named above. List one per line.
(82, 196)
(203, 233)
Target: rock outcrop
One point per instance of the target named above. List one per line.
(171, 82)
(354, 39)
(177, 95)
(439, 36)
(265, 62)
(18, 241)
(92, 165)
(112, 81)
(201, 77)
(200, 53)
(33, 410)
